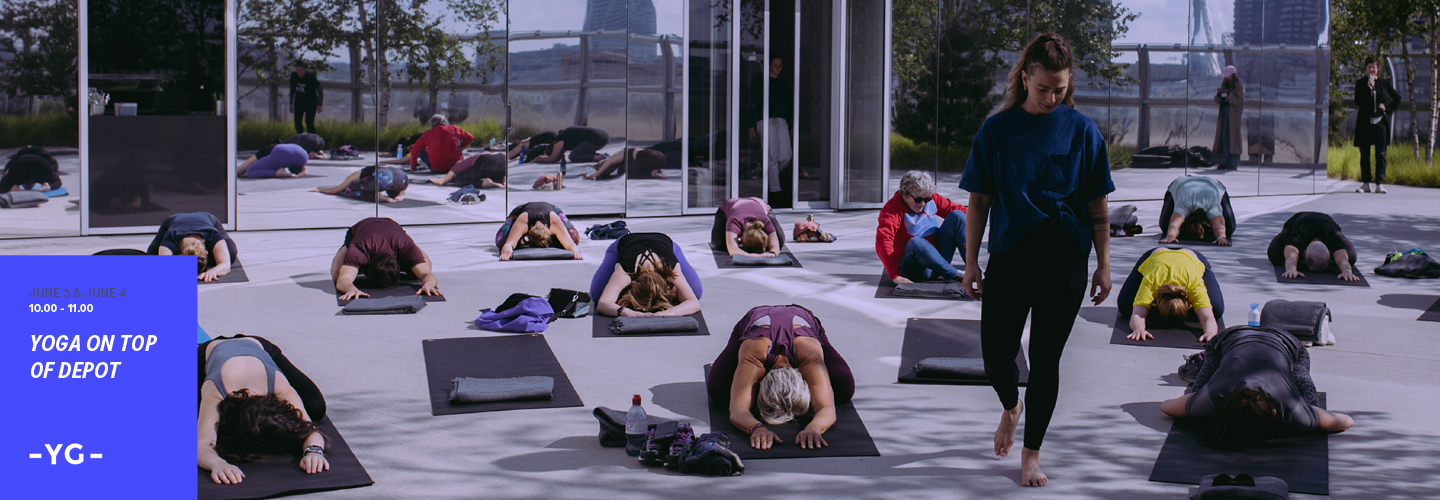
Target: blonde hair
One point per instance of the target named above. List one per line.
(191, 246)
(782, 395)
(650, 290)
(1171, 303)
(754, 239)
(538, 236)
(1048, 51)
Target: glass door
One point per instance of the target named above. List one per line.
(709, 103)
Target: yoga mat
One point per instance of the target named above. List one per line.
(1431, 314)
(1327, 277)
(945, 338)
(886, 290)
(723, 260)
(600, 328)
(847, 438)
(281, 475)
(237, 275)
(1183, 337)
(404, 288)
(493, 357)
(1302, 461)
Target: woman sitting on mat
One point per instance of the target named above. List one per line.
(254, 403)
(919, 232)
(746, 226)
(646, 274)
(199, 234)
(1197, 208)
(275, 160)
(386, 183)
(31, 168)
(1255, 384)
(536, 225)
(779, 362)
(380, 248)
(643, 164)
(484, 171)
(1321, 237)
(1165, 286)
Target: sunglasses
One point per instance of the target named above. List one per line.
(921, 199)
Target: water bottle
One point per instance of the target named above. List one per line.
(635, 426)
(399, 150)
(492, 143)
(522, 154)
(1254, 314)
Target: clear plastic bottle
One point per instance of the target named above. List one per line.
(1254, 315)
(636, 423)
(492, 143)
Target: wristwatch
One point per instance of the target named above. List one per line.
(314, 448)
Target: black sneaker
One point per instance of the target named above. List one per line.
(710, 455)
(1191, 368)
(679, 445)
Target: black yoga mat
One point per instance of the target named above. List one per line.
(1327, 277)
(493, 357)
(1302, 461)
(600, 328)
(237, 275)
(945, 338)
(281, 475)
(886, 290)
(1186, 336)
(724, 261)
(403, 289)
(409, 202)
(847, 438)
(1432, 314)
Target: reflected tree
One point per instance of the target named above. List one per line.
(274, 33)
(41, 37)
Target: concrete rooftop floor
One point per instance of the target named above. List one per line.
(934, 440)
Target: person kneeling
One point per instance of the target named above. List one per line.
(1163, 289)
(745, 226)
(536, 224)
(275, 160)
(1320, 236)
(1197, 209)
(381, 248)
(646, 274)
(200, 234)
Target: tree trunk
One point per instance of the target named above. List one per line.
(382, 64)
(434, 93)
(274, 84)
(1434, 85)
(357, 110)
(1410, 92)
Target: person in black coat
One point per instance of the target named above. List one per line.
(1375, 97)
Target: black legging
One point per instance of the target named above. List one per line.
(1276, 252)
(210, 260)
(309, 394)
(27, 170)
(717, 231)
(1126, 300)
(1168, 210)
(1042, 276)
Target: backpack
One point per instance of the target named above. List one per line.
(612, 231)
(569, 303)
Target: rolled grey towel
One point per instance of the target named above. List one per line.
(387, 305)
(542, 254)
(943, 289)
(494, 390)
(653, 324)
(1266, 488)
(1300, 318)
(22, 199)
(746, 260)
(951, 368)
(1122, 216)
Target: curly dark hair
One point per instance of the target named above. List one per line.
(253, 427)
(1246, 418)
(383, 271)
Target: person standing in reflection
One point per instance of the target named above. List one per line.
(307, 98)
(777, 131)
(1231, 98)
(1374, 98)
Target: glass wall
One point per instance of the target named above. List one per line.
(654, 108)
(40, 106)
(708, 100)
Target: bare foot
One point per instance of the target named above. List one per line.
(1005, 434)
(1030, 474)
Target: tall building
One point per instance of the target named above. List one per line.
(632, 16)
(1291, 22)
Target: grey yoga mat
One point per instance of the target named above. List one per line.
(948, 368)
(236, 275)
(493, 357)
(950, 338)
(541, 254)
(1186, 336)
(933, 290)
(847, 438)
(493, 390)
(403, 289)
(281, 475)
(1302, 461)
(723, 260)
(387, 305)
(1328, 277)
(653, 324)
(1266, 488)
(600, 327)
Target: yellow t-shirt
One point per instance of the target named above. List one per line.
(1176, 267)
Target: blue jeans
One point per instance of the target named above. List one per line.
(923, 261)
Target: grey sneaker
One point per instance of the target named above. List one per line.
(1379, 188)
(1364, 188)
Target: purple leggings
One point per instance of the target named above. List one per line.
(612, 256)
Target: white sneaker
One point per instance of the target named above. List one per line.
(1326, 336)
(1379, 188)
(1364, 188)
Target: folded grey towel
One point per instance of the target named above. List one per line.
(22, 199)
(653, 324)
(1300, 318)
(494, 390)
(1122, 216)
(409, 304)
(1266, 488)
(746, 260)
(951, 368)
(944, 289)
(542, 254)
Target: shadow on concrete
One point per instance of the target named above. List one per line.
(1408, 301)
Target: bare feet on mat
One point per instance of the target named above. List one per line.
(1005, 433)
(1030, 474)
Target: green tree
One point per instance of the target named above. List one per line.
(275, 33)
(42, 35)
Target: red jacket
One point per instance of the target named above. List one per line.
(440, 142)
(891, 236)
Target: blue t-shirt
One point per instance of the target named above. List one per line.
(1038, 167)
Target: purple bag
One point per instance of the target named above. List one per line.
(529, 316)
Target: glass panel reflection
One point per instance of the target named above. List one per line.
(709, 101)
(653, 109)
(38, 107)
(865, 103)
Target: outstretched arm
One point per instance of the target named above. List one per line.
(1176, 407)
(822, 401)
(517, 229)
(747, 374)
(1342, 259)
(774, 243)
(731, 247)
(221, 472)
(689, 303)
(557, 227)
(1292, 263)
(222, 262)
(1172, 233)
(1208, 323)
(1137, 324)
(606, 304)
(429, 285)
(1333, 422)
(556, 150)
(1217, 226)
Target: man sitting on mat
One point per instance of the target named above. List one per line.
(254, 403)
(1197, 208)
(919, 232)
(1320, 236)
(1165, 286)
(536, 224)
(388, 184)
(779, 361)
(274, 160)
(379, 247)
(1255, 384)
(746, 226)
(646, 274)
(199, 234)
(484, 171)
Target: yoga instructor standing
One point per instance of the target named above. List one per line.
(1038, 174)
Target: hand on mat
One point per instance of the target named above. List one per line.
(314, 463)
(971, 282)
(1169, 239)
(579, 256)
(1348, 276)
(209, 275)
(1100, 285)
(353, 294)
(901, 280)
(1140, 335)
(763, 439)
(429, 290)
(227, 474)
(631, 313)
(810, 440)
(1221, 241)
(1206, 337)
(1290, 275)
(506, 252)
